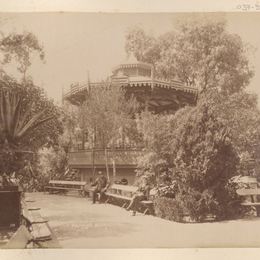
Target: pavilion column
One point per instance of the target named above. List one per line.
(152, 77)
(146, 104)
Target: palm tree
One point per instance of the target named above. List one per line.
(16, 120)
(25, 113)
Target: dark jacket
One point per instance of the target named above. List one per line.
(100, 183)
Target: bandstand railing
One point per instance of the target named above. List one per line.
(88, 158)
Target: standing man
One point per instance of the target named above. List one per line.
(101, 184)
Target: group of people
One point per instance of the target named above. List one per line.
(101, 185)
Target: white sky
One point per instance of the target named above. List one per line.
(75, 43)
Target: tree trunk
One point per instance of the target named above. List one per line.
(114, 171)
(107, 169)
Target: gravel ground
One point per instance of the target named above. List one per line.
(79, 224)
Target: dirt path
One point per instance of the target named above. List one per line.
(79, 224)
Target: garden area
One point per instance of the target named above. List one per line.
(108, 226)
(195, 157)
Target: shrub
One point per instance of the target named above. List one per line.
(201, 160)
(168, 208)
(204, 162)
(199, 206)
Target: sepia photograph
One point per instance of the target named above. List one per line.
(129, 130)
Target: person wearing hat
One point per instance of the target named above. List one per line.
(101, 184)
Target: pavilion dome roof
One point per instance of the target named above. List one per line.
(132, 62)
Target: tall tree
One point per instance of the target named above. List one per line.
(241, 114)
(154, 130)
(107, 115)
(201, 54)
(28, 119)
(20, 48)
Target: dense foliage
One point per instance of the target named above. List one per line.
(241, 114)
(201, 53)
(106, 118)
(28, 119)
(107, 115)
(195, 149)
(204, 161)
(199, 148)
(52, 161)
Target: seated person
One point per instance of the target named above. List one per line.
(141, 194)
(101, 184)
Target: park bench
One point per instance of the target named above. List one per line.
(251, 198)
(88, 190)
(33, 230)
(40, 231)
(36, 223)
(57, 186)
(123, 194)
(20, 239)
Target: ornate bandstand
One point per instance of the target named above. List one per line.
(155, 94)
